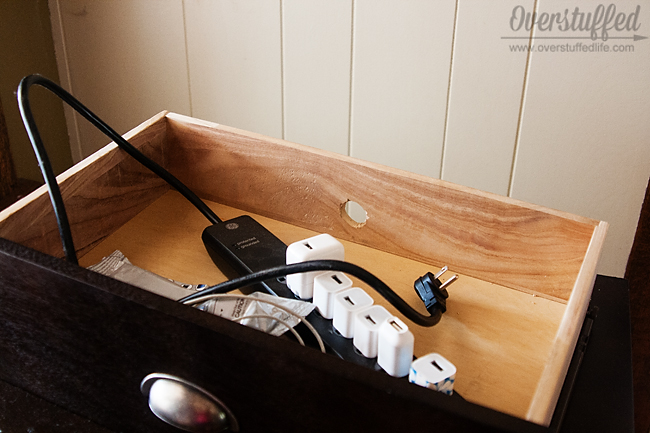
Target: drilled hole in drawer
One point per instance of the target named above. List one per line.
(354, 214)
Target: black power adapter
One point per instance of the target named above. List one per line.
(242, 246)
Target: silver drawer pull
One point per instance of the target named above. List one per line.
(185, 405)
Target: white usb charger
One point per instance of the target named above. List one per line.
(320, 247)
(435, 372)
(366, 329)
(395, 347)
(346, 304)
(326, 285)
(374, 330)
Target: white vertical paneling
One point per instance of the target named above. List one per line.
(485, 97)
(402, 52)
(316, 53)
(382, 69)
(584, 145)
(234, 54)
(123, 59)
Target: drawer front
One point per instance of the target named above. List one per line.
(85, 342)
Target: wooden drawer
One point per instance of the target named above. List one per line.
(85, 341)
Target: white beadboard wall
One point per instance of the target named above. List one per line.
(426, 86)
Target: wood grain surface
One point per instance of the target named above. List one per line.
(500, 339)
(496, 239)
(550, 384)
(527, 271)
(100, 194)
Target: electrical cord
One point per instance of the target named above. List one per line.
(324, 265)
(48, 173)
(66, 234)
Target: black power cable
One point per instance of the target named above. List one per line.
(48, 173)
(327, 265)
(279, 271)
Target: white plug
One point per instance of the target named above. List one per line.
(395, 347)
(346, 304)
(320, 247)
(366, 329)
(435, 372)
(326, 285)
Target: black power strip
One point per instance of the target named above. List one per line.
(242, 246)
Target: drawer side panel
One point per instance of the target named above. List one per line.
(100, 194)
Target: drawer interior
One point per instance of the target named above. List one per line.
(498, 338)
(526, 272)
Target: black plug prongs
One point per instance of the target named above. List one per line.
(432, 291)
